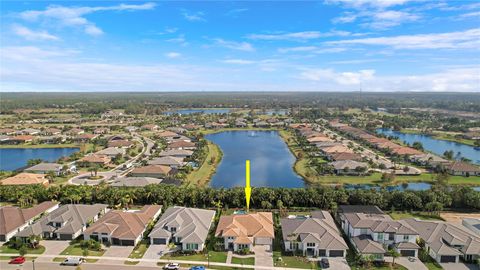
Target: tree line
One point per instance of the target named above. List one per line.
(324, 197)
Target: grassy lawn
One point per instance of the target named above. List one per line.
(6, 249)
(139, 250)
(131, 262)
(202, 175)
(215, 256)
(418, 215)
(243, 261)
(293, 261)
(76, 250)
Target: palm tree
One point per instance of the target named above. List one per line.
(392, 252)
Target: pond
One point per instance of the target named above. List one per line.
(271, 162)
(204, 111)
(436, 146)
(16, 158)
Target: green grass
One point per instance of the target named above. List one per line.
(215, 256)
(139, 250)
(7, 249)
(202, 175)
(76, 250)
(60, 259)
(385, 267)
(418, 215)
(293, 261)
(131, 262)
(243, 261)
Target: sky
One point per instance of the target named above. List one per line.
(327, 45)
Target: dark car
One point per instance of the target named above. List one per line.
(324, 263)
(17, 260)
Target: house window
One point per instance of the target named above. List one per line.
(293, 245)
(192, 246)
(380, 237)
(173, 229)
(391, 236)
(310, 244)
(363, 231)
(406, 238)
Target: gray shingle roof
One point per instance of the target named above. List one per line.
(366, 245)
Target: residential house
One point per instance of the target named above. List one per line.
(75, 132)
(428, 159)
(112, 152)
(187, 227)
(101, 130)
(462, 169)
(374, 233)
(243, 231)
(7, 131)
(30, 131)
(315, 235)
(20, 139)
(155, 171)
(473, 224)
(183, 145)
(150, 127)
(67, 222)
(172, 162)
(14, 219)
(51, 131)
(180, 153)
(45, 168)
(447, 242)
(84, 137)
(120, 143)
(141, 181)
(345, 156)
(122, 228)
(25, 179)
(168, 135)
(349, 167)
(94, 159)
(51, 139)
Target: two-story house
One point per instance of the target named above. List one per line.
(375, 233)
(65, 223)
(315, 235)
(187, 227)
(243, 231)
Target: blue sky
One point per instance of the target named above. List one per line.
(332, 45)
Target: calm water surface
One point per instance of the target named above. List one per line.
(436, 146)
(15, 158)
(204, 111)
(270, 160)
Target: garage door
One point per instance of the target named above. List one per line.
(447, 259)
(409, 253)
(127, 243)
(159, 241)
(336, 253)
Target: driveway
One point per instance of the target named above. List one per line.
(153, 252)
(459, 266)
(117, 252)
(52, 247)
(411, 265)
(335, 263)
(263, 257)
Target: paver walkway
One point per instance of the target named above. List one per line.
(229, 257)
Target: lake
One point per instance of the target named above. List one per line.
(15, 158)
(204, 111)
(436, 146)
(271, 162)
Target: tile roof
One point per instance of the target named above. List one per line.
(25, 179)
(248, 225)
(12, 217)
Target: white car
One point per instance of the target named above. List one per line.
(172, 266)
(73, 261)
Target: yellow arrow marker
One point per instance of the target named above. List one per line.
(248, 189)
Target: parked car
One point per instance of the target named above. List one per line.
(73, 261)
(17, 260)
(199, 267)
(172, 266)
(324, 263)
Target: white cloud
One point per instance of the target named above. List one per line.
(452, 40)
(238, 61)
(390, 18)
(173, 55)
(194, 17)
(74, 16)
(31, 35)
(451, 80)
(342, 78)
(297, 36)
(236, 12)
(180, 39)
(312, 49)
(471, 14)
(239, 46)
(369, 3)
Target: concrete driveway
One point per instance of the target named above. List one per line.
(52, 247)
(459, 266)
(335, 263)
(117, 252)
(411, 264)
(153, 252)
(263, 257)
